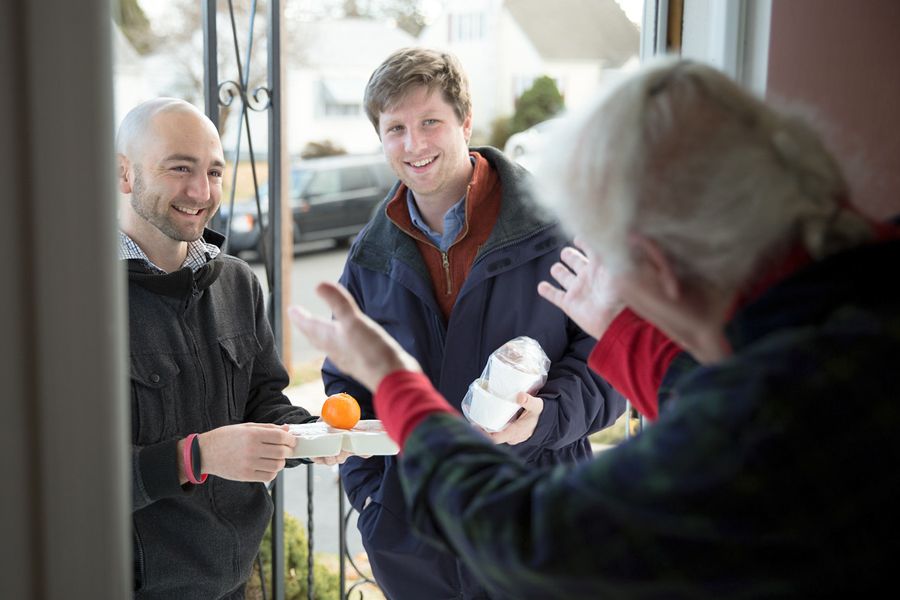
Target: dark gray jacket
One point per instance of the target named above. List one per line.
(202, 356)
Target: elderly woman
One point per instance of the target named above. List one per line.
(757, 303)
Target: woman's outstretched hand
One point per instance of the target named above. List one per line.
(356, 344)
(585, 293)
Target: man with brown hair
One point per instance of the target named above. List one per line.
(448, 266)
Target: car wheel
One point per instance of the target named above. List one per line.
(265, 235)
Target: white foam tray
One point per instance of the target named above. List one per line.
(368, 438)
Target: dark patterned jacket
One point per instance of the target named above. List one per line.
(770, 474)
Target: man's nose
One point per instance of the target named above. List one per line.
(199, 186)
(413, 141)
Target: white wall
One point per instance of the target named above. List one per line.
(306, 123)
(732, 35)
(482, 59)
(519, 58)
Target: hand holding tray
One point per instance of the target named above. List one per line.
(368, 438)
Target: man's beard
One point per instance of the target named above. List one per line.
(144, 204)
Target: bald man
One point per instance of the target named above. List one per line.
(206, 381)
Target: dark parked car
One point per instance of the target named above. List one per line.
(331, 198)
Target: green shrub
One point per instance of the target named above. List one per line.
(327, 582)
(615, 433)
(318, 149)
(538, 103)
(501, 129)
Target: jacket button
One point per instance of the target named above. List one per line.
(154, 378)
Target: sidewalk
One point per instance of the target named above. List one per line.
(310, 395)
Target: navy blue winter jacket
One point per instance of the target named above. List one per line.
(388, 278)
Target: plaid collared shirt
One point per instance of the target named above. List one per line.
(198, 254)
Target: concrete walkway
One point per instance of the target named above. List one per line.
(310, 395)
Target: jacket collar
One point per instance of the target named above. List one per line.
(180, 283)
(860, 277)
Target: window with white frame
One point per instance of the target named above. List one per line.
(465, 27)
(340, 97)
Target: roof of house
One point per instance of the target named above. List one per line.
(577, 29)
(350, 42)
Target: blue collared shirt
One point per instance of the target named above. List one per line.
(454, 219)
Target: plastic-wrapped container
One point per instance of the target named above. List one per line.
(318, 439)
(519, 365)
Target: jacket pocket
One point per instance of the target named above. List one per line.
(152, 397)
(238, 354)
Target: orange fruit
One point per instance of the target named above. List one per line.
(341, 411)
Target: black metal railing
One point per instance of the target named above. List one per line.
(265, 98)
(344, 514)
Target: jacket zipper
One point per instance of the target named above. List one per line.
(139, 555)
(445, 260)
(445, 256)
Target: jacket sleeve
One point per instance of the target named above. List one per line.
(266, 402)
(577, 402)
(633, 355)
(361, 477)
(154, 476)
(562, 532)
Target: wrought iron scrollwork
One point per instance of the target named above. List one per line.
(344, 550)
(259, 100)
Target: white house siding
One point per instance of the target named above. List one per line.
(521, 62)
(344, 53)
(506, 60)
(479, 57)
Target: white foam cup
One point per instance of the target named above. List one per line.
(506, 380)
(489, 410)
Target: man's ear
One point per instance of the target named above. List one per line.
(125, 174)
(467, 127)
(658, 264)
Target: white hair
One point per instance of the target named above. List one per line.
(679, 153)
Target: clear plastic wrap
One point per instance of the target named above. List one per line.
(519, 365)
